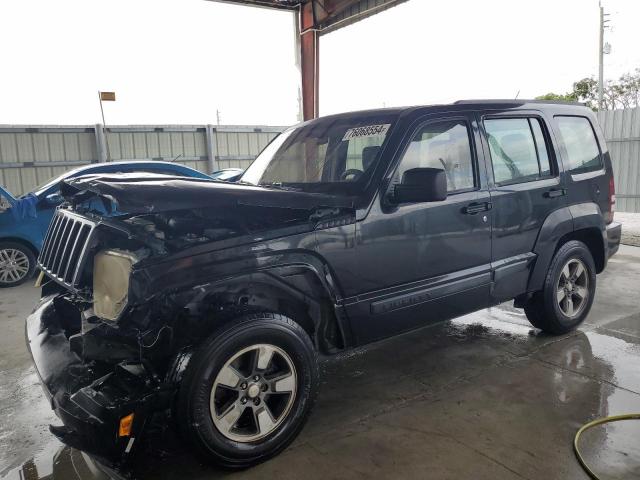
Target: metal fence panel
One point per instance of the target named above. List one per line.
(237, 149)
(31, 155)
(622, 132)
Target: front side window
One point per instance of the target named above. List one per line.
(332, 154)
(578, 137)
(518, 149)
(443, 145)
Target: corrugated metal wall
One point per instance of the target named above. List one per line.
(622, 131)
(31, 155)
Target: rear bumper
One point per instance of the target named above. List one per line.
(614, 234)
(90, 399)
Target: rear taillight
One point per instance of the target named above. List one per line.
(612, 199)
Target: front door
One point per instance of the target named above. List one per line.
(424, 262)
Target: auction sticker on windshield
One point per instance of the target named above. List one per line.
(366, 131)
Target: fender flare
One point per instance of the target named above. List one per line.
(560, 223)
(255, 283)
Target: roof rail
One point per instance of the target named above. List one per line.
(516, 101)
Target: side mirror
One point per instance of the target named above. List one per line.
(421, 185)
(54, 199)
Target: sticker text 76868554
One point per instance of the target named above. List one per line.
(366, 131)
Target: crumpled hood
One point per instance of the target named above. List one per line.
(137, 193)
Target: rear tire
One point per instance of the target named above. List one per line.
(568, 291)
(248, 390)
(17, 264)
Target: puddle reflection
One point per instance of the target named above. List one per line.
(59, 463)
(579, 382)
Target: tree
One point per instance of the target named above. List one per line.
(623, 93)
(568, 97)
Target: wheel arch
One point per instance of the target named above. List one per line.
(583, 222)
(297, 291)
(22, 241)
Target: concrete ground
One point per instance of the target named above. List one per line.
(481, 397)
(630, 227)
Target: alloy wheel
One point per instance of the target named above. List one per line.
(14, 265)
(573, 288)
(253, 393)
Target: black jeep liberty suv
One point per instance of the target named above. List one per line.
(213, 300)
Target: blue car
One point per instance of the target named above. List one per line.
(24, 221)
(228, 174)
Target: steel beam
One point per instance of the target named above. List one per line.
(316, 17)
(309, 61)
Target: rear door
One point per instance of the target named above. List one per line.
(526, 187)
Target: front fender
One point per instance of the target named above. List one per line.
(220, 266)
(253, 277)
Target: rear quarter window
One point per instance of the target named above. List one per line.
(581, 146)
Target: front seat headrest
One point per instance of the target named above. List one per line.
(369, 155)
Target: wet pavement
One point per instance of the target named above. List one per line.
(483, 397)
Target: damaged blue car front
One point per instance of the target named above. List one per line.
(24, 220)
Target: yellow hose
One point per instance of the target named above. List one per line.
(595, 423)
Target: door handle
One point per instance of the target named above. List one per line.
(474, 208)
(559, 192)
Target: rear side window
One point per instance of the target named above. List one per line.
(518, 149)
(443, 145)
(579, 139)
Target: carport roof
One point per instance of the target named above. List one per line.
(328, 15)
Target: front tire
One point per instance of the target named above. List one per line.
(17, 263)
(248, 390)
(568, 291)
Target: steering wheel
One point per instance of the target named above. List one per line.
(351, 172)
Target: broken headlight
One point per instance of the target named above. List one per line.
(111, 271)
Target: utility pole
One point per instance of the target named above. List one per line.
(602, 49)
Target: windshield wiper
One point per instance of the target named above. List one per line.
(279, 186)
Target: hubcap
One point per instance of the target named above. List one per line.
(253, 393)
(14, 265)
(573, 288)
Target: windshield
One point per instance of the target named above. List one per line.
(333, 154)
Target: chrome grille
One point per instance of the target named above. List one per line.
(65, 246)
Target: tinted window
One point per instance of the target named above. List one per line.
(580, 143)
(445, 146)
(518, 149)
(541, 145)
(362, 152)
(331, 154)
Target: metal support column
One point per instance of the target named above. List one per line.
(101, 143)
(212, 148)
(309, 61)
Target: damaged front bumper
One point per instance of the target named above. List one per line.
(91, 398)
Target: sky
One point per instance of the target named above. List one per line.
(186, 61)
